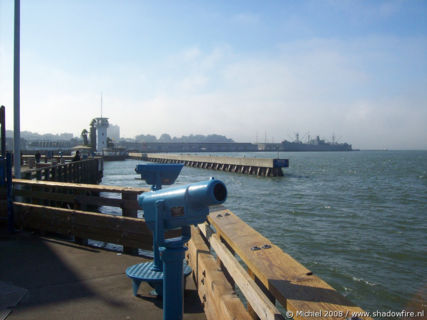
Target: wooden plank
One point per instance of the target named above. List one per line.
(81, 186)
(116, 229)
(292, 284)
(216, 294)
(80, 198)
(262, 306)
(44, 195)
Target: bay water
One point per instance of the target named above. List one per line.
(358, 220)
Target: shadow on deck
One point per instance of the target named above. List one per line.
(68, 281)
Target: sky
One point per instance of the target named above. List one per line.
(253, 71)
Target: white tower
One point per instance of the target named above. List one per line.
(101, 134)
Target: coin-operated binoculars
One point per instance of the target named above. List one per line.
(178, 207)
(152, 272)
(159, 174)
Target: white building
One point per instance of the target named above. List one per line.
(113, 132)
(101, 133)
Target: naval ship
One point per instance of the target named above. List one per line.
(314, 145)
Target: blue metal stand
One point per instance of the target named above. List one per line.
(173, 282)
(152, 272)
(143, 272)
(169, 209)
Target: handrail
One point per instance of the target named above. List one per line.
(277, 274)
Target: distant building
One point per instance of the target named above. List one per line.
(113, 132)
(101, 133)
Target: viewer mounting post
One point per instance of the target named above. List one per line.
(16, 94)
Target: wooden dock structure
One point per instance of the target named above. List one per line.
(88, 170)
(251, 166)
(265, 275)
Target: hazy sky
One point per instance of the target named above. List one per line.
(250, 70)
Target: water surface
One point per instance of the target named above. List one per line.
(356, 219)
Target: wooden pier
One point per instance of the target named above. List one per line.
(84, 171)
(251, 166)
(265, 275)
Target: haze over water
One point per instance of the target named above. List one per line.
(356, 219)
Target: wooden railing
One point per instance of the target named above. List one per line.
(225, 253)
(84, 171)
(63, 208)
(29, 159)
(263, 273)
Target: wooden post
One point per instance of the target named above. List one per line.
(53, 173)
(80, 206)
(251, 311)
(263, 289)
(74, 172)
(59, 173)
(86, 170)
(126, 212)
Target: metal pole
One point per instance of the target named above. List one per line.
(10, 214)
(16, 95)
(3, 130)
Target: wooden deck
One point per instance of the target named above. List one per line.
(224, 253)
(63, 280)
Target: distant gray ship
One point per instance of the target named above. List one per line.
(314, 145)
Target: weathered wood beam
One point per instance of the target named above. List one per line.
(126, 231)
(292, 284)
(262, 306)
(215, 292)
(81, 186)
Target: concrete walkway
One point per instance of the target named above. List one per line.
(68, 281)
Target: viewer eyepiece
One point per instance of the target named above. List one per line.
(220, 192)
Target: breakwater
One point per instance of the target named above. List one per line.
(251, 166)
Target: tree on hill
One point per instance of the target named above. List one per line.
(145, 138)
(198, 138)
(165, 138)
